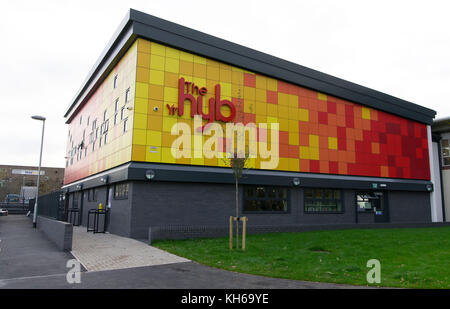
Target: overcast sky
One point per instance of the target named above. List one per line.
(47, 48)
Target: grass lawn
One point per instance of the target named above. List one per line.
(410, 258)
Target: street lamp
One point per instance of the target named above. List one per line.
(39, 169)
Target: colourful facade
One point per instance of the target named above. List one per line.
(318, 133)
(87, 152)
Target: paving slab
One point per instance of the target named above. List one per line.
(104, 251)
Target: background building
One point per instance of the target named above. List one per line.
(347, 154)
(14, 177)
(441, 152)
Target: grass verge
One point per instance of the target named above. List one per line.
(410, 258)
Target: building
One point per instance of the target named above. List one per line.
(341, 154)
(15, 177)
(441, 136)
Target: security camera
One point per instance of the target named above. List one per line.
(155, 108)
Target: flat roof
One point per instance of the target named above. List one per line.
(138, 24)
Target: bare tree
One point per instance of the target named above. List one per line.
(238, 163)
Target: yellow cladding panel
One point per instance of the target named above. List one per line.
(139, 137)
(293, 138)
(156, 77)
(167, 156)
(141, 105)
(314, 153)
(365, 113)
(332, 143)
(172, 53)
(140, 121)
(304, 152)
(157, 62)
(303, 114)
(294, 165)
(170, 95)
(321, 96)
(272, 84)
(293, 126)
(172, 65)
(154, 138)
(141, 90)
(283, 99)
(283, 111)
(314, 141)
(158, 49)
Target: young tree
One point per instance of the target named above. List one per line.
(238, 162)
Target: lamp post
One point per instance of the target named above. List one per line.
(39, 169)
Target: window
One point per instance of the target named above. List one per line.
(122, 113)
(81, 119)
(120, 191)
(92, 195)
(445, 150)
(323, 201)
(265, 199)
(116, 109)
(106, 139)
(127, 95)
(75, 200)
(125, 125)
(368, 201)
(89, 118)
(115, 82)
(106, 126)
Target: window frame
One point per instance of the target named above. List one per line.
(442, 151)
(341, 199)
(280, 212)
(115, 81)
(127, 95)
(92, 195)
(125, 125)
(121, 197)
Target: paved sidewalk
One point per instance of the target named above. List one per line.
(98, 252)
(26, 252)
(29, 260)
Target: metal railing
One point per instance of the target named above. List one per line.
(15, 208)
(52, 205)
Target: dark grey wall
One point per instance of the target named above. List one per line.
(409, 206)
(168, 203)
(157, 204)
(163, 203)
(60, 233)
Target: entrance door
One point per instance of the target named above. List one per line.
(381, 208)
(372, 206)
